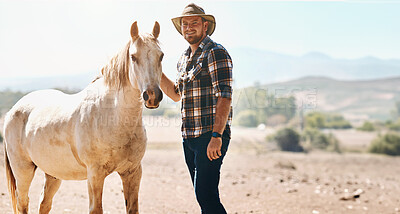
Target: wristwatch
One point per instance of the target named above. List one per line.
(216, 135)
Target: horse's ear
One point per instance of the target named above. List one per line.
(156, 30)
(134, 31)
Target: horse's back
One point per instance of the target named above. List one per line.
(18, 115)
(40, 106)
(40, 127)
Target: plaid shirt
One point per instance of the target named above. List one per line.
(201, 79)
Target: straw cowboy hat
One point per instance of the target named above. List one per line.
(194, 10)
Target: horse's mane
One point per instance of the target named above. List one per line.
(116, 72)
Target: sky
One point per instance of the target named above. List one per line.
(53, 37)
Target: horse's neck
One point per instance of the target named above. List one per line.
(120, 103)
(129, 108)
(128, 101)
(129, 98)
(123, 105)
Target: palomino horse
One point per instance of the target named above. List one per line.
(87, 135)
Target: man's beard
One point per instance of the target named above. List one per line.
(194, 39)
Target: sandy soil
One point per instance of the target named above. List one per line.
(253, 180)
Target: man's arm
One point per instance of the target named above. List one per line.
(221, 116)
(220, 67)
(168, 87)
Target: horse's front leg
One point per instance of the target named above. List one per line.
(131, 182)
(96, 177)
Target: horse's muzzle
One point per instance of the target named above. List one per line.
(152, 97)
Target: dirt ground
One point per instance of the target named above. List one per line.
(254, 179)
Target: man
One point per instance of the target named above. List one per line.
(204, 84)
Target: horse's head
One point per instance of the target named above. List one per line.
(145, 65)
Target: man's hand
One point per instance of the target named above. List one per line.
(168, 87)
(214, 148)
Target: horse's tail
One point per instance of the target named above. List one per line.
(10, 180)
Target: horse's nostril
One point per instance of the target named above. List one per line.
(160, 97)
(159, 94)
(145, 96)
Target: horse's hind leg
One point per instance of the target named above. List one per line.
(23, 175)
(51, 186)
(131, 181)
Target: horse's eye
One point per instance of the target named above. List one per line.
(133, 58)
(162, 56)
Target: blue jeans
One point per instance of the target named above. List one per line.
(205, 174)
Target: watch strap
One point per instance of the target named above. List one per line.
(216, 134)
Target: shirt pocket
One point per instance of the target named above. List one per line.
(201, 65)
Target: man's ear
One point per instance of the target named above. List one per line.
(206, 26)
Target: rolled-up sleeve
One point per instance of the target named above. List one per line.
(220, 67)
(178, 76)
(176, 89)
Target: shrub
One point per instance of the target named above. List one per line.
(367, 127)
(256, 100)
(341, 124)
(315, 139)
(326, 120)
(334, 144)
(395, 126)
(315, 120)
(320, 141)
(247, 118)
(288, 140)
(387, 144)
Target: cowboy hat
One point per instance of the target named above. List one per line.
(194, 10)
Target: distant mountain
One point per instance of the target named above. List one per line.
(364, 88)
(29, 84)
(252, 65)
(357, 100)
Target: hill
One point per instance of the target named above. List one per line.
(356, 100)
(27, 84)
(265, 67)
